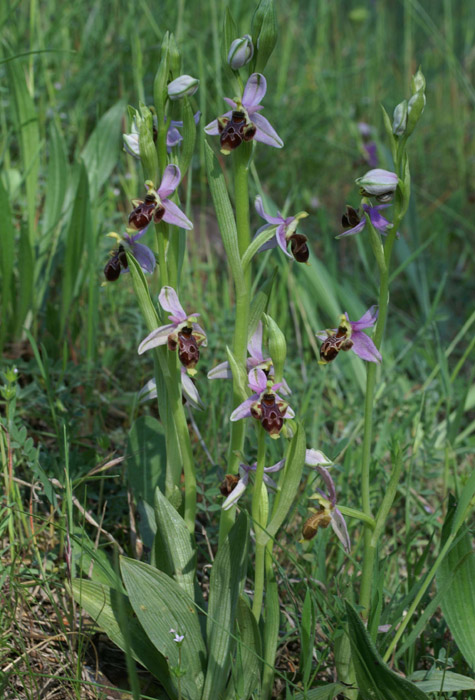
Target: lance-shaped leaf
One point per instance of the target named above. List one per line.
(161, 605)
(289, 481)
(325, 692)
(435, 681)
(374, 678)
(458, 604)
(224, 213)
(173, 551)
(102, 604)
(101, 152)
(246, 671)
(226, 582)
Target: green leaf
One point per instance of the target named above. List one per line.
(259, 303)
(102, 604)
(289, 481)
(57, 178)
(224, 213)
(101, 152)
(324, 692)
(174, 554)
(160, 605)
(75, 241)
(29, 136)
(441, 681)
(142, 293)
(93, 562)
(146, 458)
(458, 604)
(375, 679)
(239, 375)
(226, 582)
(189, 137)
(7, 251)
(307, 636)
(25, 280)
(245, 675)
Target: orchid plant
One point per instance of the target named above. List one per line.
(233, 654)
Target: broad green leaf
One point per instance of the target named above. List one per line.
(289, 482)
(224, 213)
(102, 604)
(161, 605)
(324, 692)
(74, 244)
(374, 678)
(92, 561)
(146, 458)
(226, 582)
(101, 152)
(27, 124)
(441, 681)
(245, 674)
(458, 604)
(174, 554)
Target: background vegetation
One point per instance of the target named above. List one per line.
(67, 73)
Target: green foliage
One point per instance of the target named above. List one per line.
(146, 458)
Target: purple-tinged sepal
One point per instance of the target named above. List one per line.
(234, 487)
(327, 513)
(183, 86)
(285, 233)
(349, 336)
(183, 333)
(378, 183)
(117, 264)
(355, 222)
(240, 52)
(157, 206)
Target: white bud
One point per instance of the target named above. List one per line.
(184, 86)
(378, 181)
(240, 52)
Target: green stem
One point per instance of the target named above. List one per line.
(271, 624)
(243, 296)
(259, 518)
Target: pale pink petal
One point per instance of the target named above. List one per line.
(265, 132)
(339, 528)
(330, 486)
(212, 127)
(281, 240)
(169, 301)
(254, 347)
(157, 337)
(258, 203)
(315, 458)
(170, 181)
(364, 347)
(230, 102)
(356, 229)
(244, 409)
(254, 91)
(174, 215)
(367, 320)
(275, 467)
(257, 380)
(221, 371)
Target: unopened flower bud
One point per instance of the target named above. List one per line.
(415, 108)
(378, 182)
(400, 118)
(418, 82)
(277, 347)
(184, 86)
(240, 52)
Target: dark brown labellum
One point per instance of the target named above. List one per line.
(188, 350)
(332, 345)
(351, 218)
(316, 520)
(229, 484)
(141, 216)
(299, 247)
(113, 266)
(272, 418)
(235, 130)
(159, 212)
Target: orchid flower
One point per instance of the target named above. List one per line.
(131, 141)
(157, 204)
(327, 513)
(188, 389)
(256, 360)
(117, 264)
(243, 122)
(357, 223)
(265, 405)
(239, 486)
(285, 233)
(349, 336)
(183, 332)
